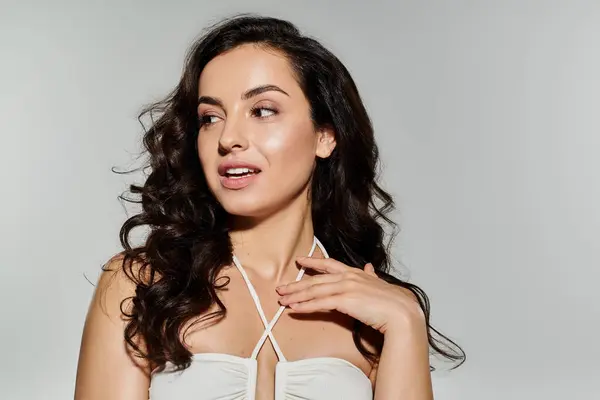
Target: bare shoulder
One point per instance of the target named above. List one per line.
(117, 285)
(107, 368)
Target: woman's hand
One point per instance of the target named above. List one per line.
(359, 293)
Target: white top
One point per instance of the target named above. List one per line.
(218, 376)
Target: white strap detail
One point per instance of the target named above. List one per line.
(269, 325)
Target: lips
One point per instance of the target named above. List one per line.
(236, 175)
(229, 165)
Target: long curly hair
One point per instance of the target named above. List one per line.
(175, 270)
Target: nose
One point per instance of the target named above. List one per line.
(232, 137)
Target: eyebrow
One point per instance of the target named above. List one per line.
(261, 89)
(215, 101)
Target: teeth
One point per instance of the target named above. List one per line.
(239, 171)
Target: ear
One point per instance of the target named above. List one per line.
(325, 142)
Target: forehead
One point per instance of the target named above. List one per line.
(245, 67)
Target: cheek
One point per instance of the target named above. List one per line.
(291, 146)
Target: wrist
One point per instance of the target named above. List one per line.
(406, 328)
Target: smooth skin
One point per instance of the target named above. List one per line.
(106, 369)
(253, 110)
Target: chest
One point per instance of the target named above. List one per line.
(298, 336)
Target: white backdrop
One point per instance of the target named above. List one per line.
(488, 117)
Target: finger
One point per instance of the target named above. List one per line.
(312, 292)
(370, 269)
(322, 304)
(307, 282)
(324, 265)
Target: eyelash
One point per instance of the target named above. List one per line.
(254, 109)
(203, 118)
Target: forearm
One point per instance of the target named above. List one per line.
(403, 370)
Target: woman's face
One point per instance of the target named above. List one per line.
(256, 143)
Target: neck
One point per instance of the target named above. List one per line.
(270, 245)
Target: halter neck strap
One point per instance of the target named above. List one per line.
(269, 325)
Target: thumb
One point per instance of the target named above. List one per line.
(370, 269)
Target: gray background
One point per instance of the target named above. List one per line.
(487, 113)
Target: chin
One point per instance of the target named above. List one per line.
(247, 208)
(255, 202)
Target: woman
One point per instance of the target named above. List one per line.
(264, 153)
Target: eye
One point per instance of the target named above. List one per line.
(207, 119)
(263, 112)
